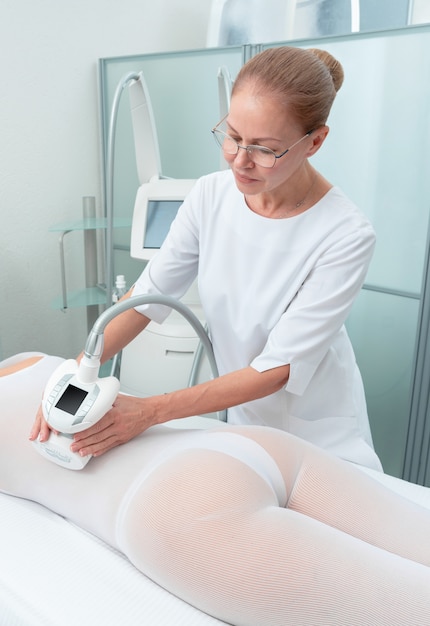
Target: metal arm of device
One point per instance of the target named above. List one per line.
(94, 344)
(110, 157)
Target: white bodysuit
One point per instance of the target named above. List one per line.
(247, 523)
(276, 292)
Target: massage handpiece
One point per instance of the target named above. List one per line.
(75, 399)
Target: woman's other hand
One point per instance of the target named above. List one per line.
(40, 428)
(125, 420)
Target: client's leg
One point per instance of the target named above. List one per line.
(209, 529)
(340, 495)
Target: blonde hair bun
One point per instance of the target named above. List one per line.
(304, 80)
(332, 64)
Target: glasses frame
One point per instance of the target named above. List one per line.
(249, 149)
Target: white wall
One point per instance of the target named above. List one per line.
(420, 11)
(50, 143)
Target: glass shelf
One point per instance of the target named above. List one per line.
(84, 297)
(88, 296)
(92, 223)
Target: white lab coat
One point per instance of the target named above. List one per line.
(277, 291)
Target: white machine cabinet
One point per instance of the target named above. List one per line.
(161, 358)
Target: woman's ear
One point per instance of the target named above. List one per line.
(318, 137)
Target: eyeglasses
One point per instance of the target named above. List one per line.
(260, 155)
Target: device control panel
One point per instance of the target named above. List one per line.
(70, 406)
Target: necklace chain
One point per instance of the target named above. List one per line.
(301, 202)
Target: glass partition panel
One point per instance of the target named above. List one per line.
(379, 142)
(183, 88)
(382, 328)
(377, 151)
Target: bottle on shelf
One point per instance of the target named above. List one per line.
(120, 288)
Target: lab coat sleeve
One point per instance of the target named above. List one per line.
(316, 315)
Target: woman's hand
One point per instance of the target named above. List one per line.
(40, 427)
(124, 421)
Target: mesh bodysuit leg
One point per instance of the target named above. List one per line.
(209, 529)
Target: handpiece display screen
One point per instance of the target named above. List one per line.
(71, 399)
(161, 214)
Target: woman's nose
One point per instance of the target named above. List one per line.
(242, 157)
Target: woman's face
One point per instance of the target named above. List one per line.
(256, 119)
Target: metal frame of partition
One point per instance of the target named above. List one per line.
(417, 453)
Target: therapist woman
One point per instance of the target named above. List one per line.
(280, 255)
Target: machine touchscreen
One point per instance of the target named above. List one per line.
(155, 208)
(71, 399)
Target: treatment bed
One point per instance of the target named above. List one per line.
(52, 573)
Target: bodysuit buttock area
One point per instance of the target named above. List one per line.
(246, 523)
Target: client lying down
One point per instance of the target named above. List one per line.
(248, 524)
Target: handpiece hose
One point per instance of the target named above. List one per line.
(94, 344)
